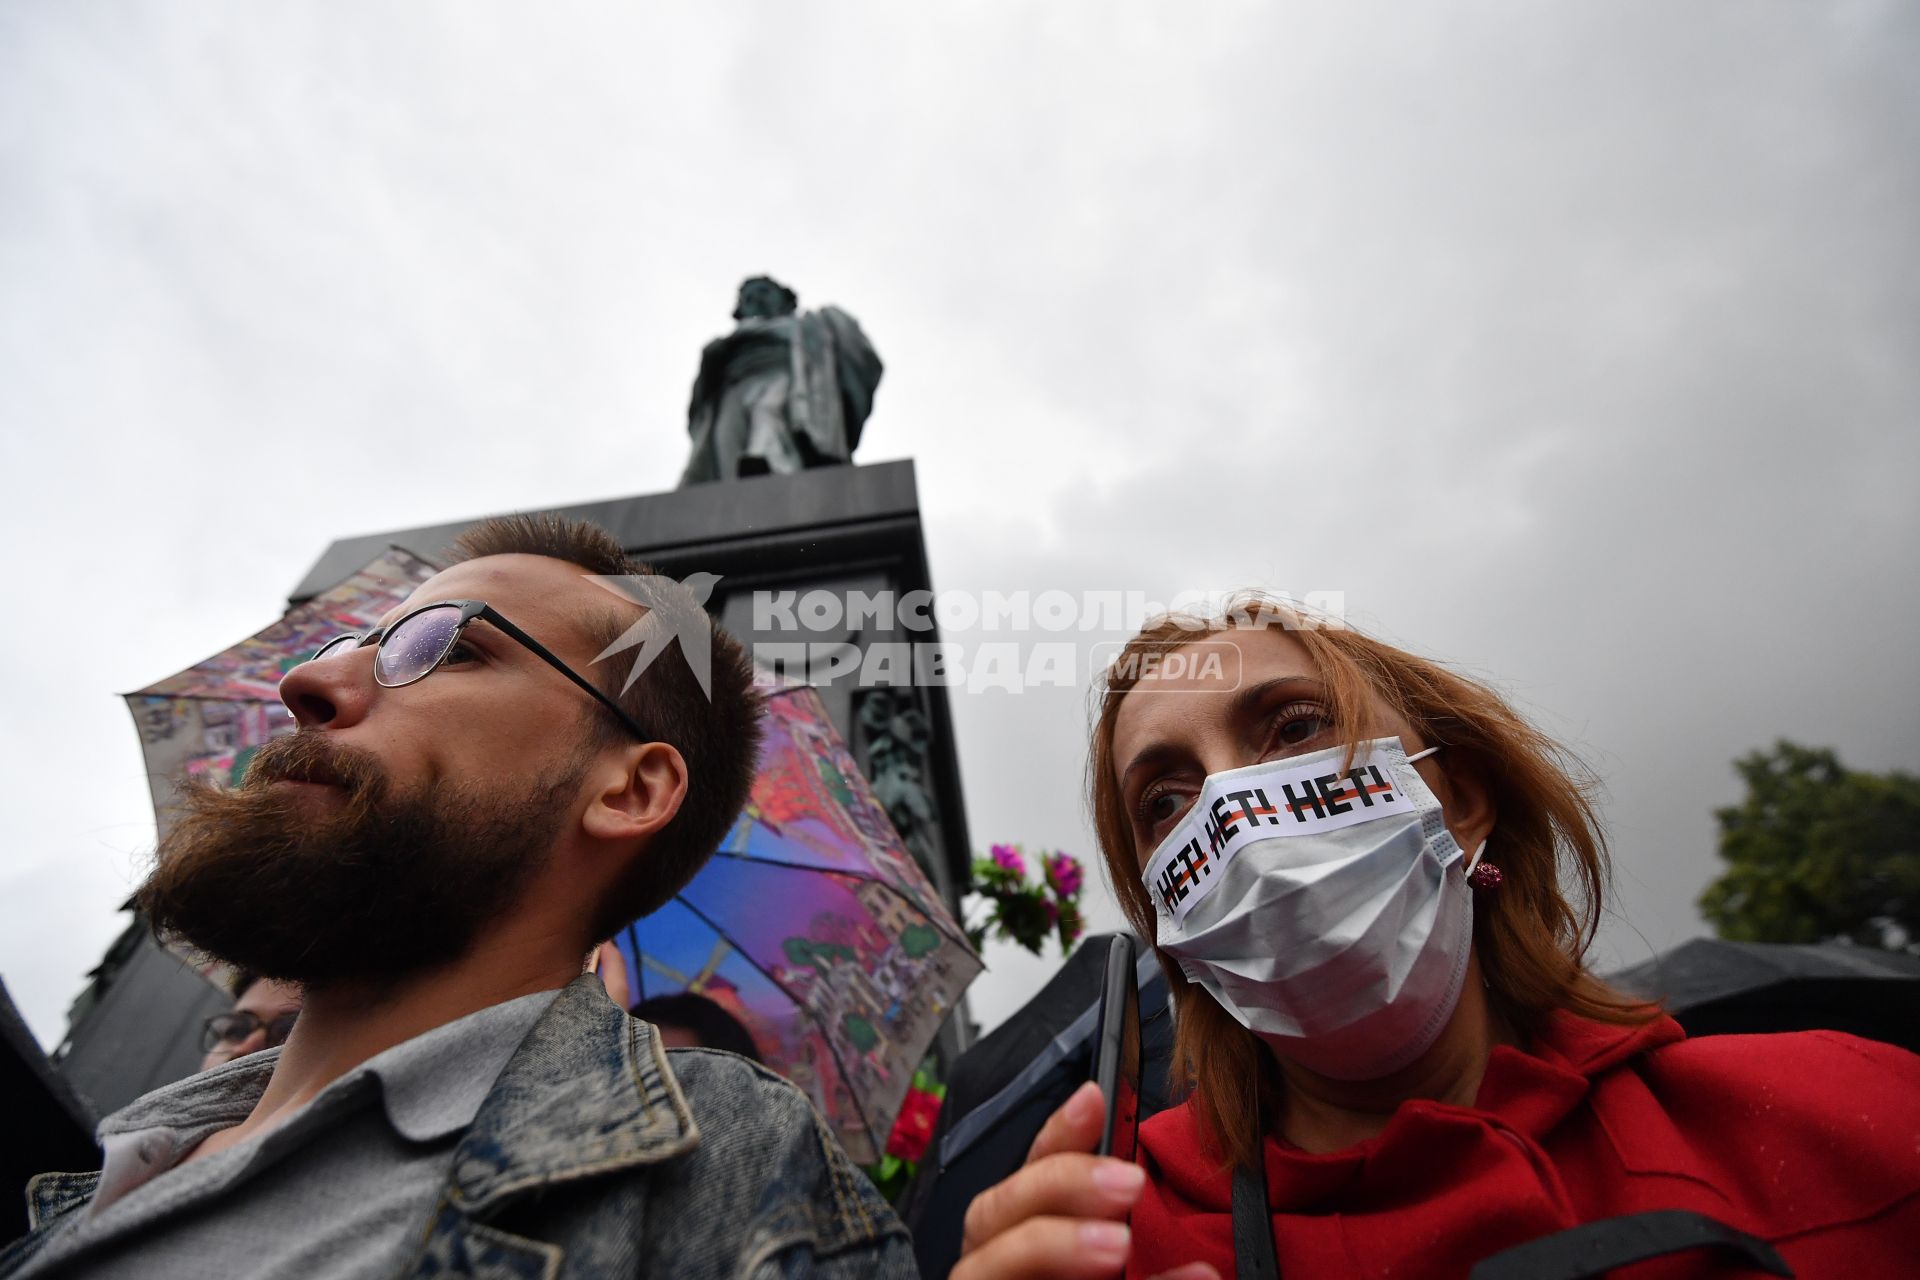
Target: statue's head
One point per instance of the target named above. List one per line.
(763, 297)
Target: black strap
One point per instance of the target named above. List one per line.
(1252, 1225)
(1594, 1248)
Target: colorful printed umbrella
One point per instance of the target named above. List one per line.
(815, 928)
(212, 717)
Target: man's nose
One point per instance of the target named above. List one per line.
(332, 693)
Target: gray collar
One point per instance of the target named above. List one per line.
(586, 1091)
(431, 1085)
(221, 1097)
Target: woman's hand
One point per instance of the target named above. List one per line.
(1064, 1213)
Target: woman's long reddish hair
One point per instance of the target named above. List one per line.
(1531, 935)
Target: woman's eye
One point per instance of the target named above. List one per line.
(1297, 725)
(461, 652)
(1163, 807)
(1301, 729)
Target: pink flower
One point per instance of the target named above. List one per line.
(1064, 871)
(1008, 858)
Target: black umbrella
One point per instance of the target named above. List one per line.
(1001, 1091)
(1713, 987)
(48, 1128)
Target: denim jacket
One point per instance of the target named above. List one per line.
(592, 1156)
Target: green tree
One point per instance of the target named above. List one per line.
(1818, 852)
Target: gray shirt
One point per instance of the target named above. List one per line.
(336, 1190)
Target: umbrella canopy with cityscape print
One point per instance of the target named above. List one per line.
(815, 928)
(209, 719)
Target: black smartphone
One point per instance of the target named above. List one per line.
(1116, 1049)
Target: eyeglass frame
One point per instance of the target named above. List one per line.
(210, 1040)
(470, 610)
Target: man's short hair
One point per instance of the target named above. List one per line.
(718, 736)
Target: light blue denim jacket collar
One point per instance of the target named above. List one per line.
(566, 1108)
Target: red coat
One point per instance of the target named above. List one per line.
(1809, 1140)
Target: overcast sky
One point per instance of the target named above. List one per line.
(1575, 344)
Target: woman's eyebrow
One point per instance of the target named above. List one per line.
(1154, 756)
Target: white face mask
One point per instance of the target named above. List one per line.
(1324, 908)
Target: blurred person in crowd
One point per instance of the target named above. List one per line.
(471, 801)
(685, 1020)
(262, 1017)
(1372, 886)
(688, 1020)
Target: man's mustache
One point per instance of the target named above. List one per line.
(308, 756)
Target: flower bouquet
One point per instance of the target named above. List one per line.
(1021, 910)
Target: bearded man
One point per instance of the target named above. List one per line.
(471, 802)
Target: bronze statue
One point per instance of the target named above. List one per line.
(786, 390)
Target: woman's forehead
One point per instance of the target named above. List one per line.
(1189, 691)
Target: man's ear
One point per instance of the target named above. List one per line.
(642, 797)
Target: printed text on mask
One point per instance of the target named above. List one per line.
(1237, 809)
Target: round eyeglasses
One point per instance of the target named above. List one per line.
(235, 1028)
(414, 646)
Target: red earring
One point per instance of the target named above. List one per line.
(1483, 875)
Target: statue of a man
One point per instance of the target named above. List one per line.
(784, 391)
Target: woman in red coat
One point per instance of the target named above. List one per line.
(1372, 885)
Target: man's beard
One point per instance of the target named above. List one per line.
(367, 887)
